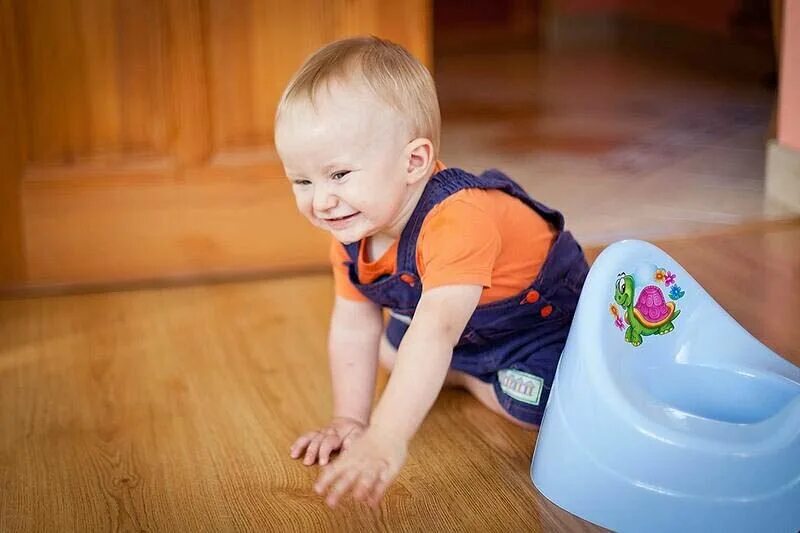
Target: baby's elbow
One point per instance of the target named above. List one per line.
(444, 334)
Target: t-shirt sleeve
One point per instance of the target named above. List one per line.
(458, 245)
(341, 277)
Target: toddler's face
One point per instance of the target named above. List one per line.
(347, 163)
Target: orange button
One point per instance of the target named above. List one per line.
(532, 296)
(408, 279)
(546, 310)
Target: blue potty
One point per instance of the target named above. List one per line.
(665, 414)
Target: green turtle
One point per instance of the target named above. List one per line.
(651, 315)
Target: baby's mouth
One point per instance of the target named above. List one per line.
(339, 219)
(339, 223)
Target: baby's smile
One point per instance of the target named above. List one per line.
(339, 222)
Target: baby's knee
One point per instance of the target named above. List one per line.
(485, 394)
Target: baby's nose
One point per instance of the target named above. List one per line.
(323, 200)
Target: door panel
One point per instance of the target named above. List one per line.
(142, 147)
(12, 257)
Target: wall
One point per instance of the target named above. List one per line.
(789, 99)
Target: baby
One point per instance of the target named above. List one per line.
(479, 279)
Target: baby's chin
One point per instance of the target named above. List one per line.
(346, 236)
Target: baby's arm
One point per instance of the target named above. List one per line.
(355, 332)
(353, 341)
(423, 359)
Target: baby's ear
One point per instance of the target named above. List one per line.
(420, 159)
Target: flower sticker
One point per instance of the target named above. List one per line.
(660, 275)
(618, 318)
(676, 293)
(669, 279)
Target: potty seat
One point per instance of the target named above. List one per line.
(665, 414)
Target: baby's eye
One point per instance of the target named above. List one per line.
(336, 176)
(301, 182)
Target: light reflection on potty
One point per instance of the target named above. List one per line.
(665, 414)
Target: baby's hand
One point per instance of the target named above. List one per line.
(318, 445)
(367, 468)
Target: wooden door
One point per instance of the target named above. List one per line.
(136, 136)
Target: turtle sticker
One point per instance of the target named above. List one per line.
(646, 312)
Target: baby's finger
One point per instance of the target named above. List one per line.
(300, 444)
(379, 488)
(340, 487)
(327, 476)
(364, 485)
(312, 450)
(330, 443)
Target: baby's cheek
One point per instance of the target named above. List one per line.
(314, 220)
(304, 206)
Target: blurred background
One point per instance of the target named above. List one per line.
(136, 136)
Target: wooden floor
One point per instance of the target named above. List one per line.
(173, 409)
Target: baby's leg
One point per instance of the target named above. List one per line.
(483, 392)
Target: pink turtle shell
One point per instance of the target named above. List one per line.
(651, 304)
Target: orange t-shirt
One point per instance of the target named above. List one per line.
(473, 237)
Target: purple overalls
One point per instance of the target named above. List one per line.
(514, 343)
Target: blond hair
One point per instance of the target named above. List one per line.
(388, 70)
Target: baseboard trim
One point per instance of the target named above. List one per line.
(783, 174)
